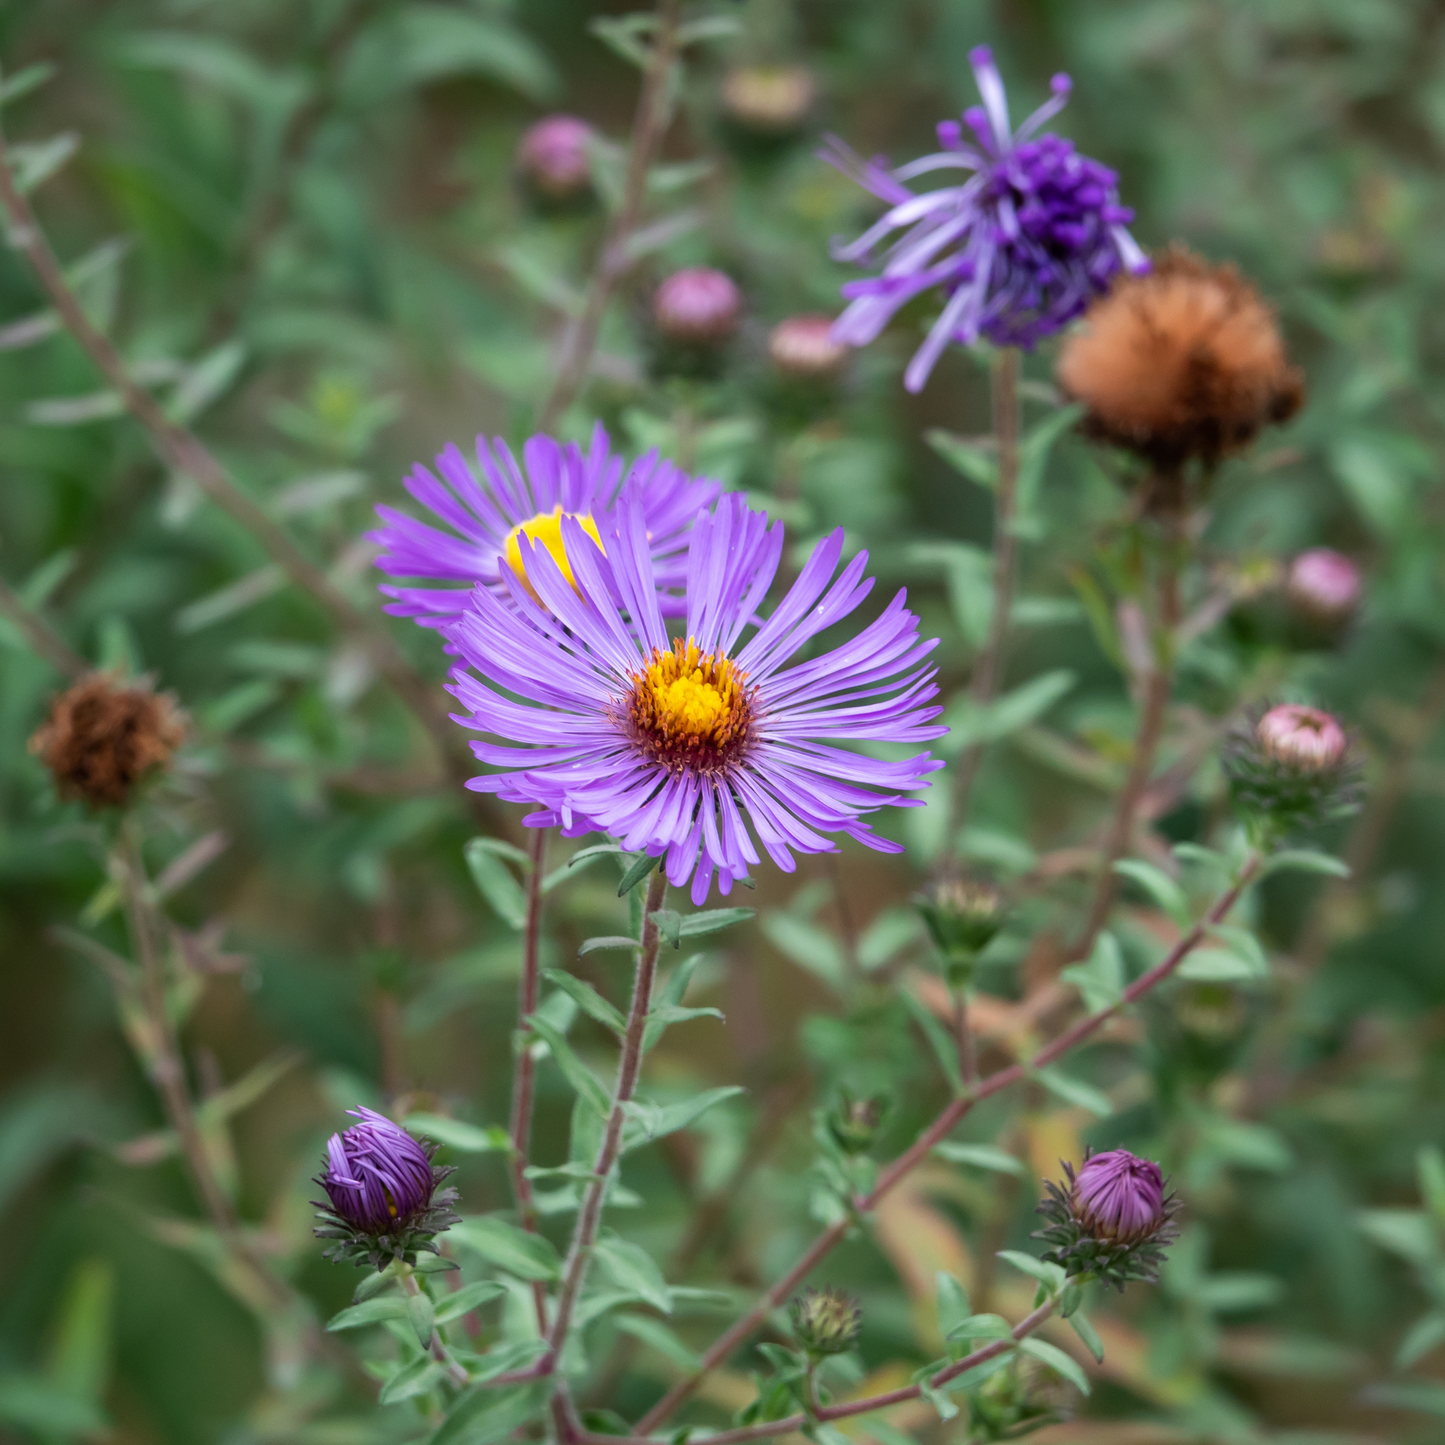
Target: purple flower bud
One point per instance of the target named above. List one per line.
(1325, 584)
(377, 1177)
(553, 156)
(802, 347)
(697, 306)
(1118, 1196)
(1304, 739)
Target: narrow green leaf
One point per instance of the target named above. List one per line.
(1086, 1332)
(711, 920)
(1100, 978)
(422, 1314)
(952, 1302)
(591, 1001)
(495, 883)
(518, 1251)
(1056, 1359)
(981, 1156)
(982, 1327)
(573, 1069)
(455, 1134)
(468, 1298)
(613, 942)
(1420, 1339)
(370, 1312)
(632, 1268)
(1158, 885)
(672, 1117)
(1304, 860)
(1051, 1275)
(1075, 1091)
(657, 1335)
(484, 1417)
(639, 869)
(415, 1379)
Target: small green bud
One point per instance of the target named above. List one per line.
(826, 1321)
(853, 1123)
(964, 916)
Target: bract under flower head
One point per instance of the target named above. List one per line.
(1019, 249)
(691, 748)
(486, 514)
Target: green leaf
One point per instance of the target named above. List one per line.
(807, 944)
(412, 1380)
(1049, 1275)
(573, 1069)
(711, 920)
(466, 1138)
(1158, 885)
(639, 869)
(422, 1314)
(1303, 860)
(968, 571)
(1234, 1291)
(1427, 1397)
(469, 1297)
(952, 1302)
(1100, 978)
(373, 1284)
(1420, 1339)
(1409, 1233)
(632, 1268)
(972, 724)
(657, 1336)
(426, 42)
(1034, 452)
(518, 1251)
(591, 1001)
(667, 1007)
(1075, 1091)
(672, 1117)
(982, 1327)
(24, 81)
(1056, 1359)
(33, 1403)
(484, 1417)
(981, 1156)
(973, 457)
(668, 922)
(611, 942)
(371, 1312)
(1088, 1334)
(495, 882)
(943, 1044)
(503, 1359)
(34, 162)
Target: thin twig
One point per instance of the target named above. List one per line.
(846, 1409)
(525, 1066)
(988, 666)
(42, 637)
(589, 1217)
(1157, 686)
(185, 452)
(963, 1035)
(613, 259)
(941, 1127)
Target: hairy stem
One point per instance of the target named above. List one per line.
(988, 666)
(1154, 706)
(941, 1127)
(525, 1068)
(613, 259)
(589, 1217)
(185, 452)
(963, 1035)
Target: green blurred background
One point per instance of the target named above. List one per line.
(301, 221)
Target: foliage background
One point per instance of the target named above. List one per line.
(312, 241)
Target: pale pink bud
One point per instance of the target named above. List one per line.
(553, 156)
(1302, 738)
(1324, 583)
(803, 347)
(697, 306)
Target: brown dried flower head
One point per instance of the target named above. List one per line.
(1183, 361)
(104, 735)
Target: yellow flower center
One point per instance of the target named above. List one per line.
(690, 710)
(545, 530)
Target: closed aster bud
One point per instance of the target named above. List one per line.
(1183, 361)
(772, 99)
(553, 157)
(853, 1123)
(1324, 585)
(826, 1321)
(104, 736)
(802, 348)
(1113, 1219)
(697, 307)
(964, 916)
(382, 1196)
(1291, 767)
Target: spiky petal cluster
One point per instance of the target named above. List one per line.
(826, 1321)
(1291, 767)
(692, 752)
(382, 1199)
(1018, 250)
(1113, 1220)
(486, 511)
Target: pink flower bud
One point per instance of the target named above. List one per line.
(802, 347)
(553, 156)
(1324, 583)
(1119, 1196)
(1302, 738)
(697, 306)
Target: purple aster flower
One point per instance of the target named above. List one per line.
(1019, 249)
(690, 748)
(487, 515)
(1112, 1219)
(381, 1188)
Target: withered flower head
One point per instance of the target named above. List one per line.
(104, 735)
(1184, 361)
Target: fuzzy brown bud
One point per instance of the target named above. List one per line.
(1183, 361)
(103, 736)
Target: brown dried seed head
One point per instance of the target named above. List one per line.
(1183, 361)
(103, 736)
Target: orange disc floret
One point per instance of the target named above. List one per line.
(1183, 361)
(103, 736)
(690, 710)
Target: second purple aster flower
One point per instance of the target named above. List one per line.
(698, 748)
(1018, 250)
(487, 509)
